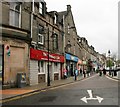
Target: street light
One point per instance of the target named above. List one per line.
(48, 77)
(109, 61)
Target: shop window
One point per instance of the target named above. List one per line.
(55, 63)
(55, 67)
(41, 63)
(15, 14)
(40, 67)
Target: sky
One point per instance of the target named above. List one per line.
(96, 20)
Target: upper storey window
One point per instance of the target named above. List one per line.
(55, 19)
(15, 14)
(41, 7)
(40, 35)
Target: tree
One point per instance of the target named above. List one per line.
(109, 63)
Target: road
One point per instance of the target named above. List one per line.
(93, 89)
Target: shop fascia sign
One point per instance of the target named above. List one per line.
(51, 56)
(42, 55)
(72, 57)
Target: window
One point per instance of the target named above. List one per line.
(41, 7)
(15, 14)
(40, 39)
(40, 35)
(55, 41)
(55, 18)
(68, 28)
(55, 67)
(41, 67)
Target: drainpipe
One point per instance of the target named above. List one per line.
(32, 16)
(31, 22)
(64, 40)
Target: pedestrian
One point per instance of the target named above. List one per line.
(65, 73)
(75, 73)
(104, 71)
(100, 73)
(80, 71)
(84, 73)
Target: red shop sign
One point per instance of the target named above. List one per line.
(43, 55)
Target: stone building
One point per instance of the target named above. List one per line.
(15, 40)
(71, 47)
(46, 50)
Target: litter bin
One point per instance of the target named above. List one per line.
(21, 79)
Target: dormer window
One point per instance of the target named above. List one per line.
(55, 19)
(42, 8)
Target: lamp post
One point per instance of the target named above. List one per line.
(48, 77)
(109, 62)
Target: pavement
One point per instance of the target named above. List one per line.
(14, 92)
(7, 94)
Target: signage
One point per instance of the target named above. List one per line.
(43, 55)
(91, 97)
(71, 57)
(7, 47)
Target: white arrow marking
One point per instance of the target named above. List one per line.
(99, 99)
(84, 99)
(91, 97)
(90, 93)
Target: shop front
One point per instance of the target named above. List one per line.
(71, 63)
(39, 66)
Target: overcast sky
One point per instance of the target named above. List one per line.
(96, 20)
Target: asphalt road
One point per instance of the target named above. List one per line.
(97, 90)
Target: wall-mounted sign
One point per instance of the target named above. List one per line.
(71, 57)
(43, 55)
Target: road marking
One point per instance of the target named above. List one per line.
(91, 97)
(112, 79)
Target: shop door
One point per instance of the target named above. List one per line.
(71, 70)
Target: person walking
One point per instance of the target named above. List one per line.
(75, 73)
(84, 73)
(104, 71)
(80, 72)
(65, 73)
